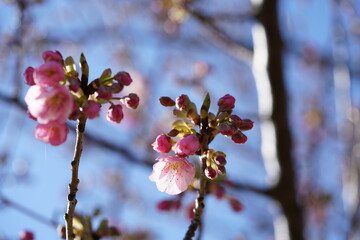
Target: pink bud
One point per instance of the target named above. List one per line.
(29, 76)
(166, 102)
(131, 101)
(239, 137)
(103, 93)
(187, 146)
(210, 172)
(115, 114)
(182, 102)
(50, 56)
(53, 133)
(246, 124)
(220, 160)
(236, 205)
(162, 144)
(49, 74)
(226, 130)
(116, 87)
(219, 191)
(49, 104)
(226, 103)
(91, 109)
(190, 210)
(123, 78)
(26, 235)
(164, 205)
(74, 84)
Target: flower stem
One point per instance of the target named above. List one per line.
(199, 202)
(73, 186)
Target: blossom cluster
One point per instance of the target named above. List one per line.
(57, 94)
(173, 174)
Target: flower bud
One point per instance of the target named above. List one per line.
(221, 170)
(239, 137)
(123, 78)
(219, 191)
(236, 205)
(50, 56)
(74, 84)
(116, 87)
(115, 114)
(103, 93)
(210, 172)
(162, 144)
(166, 102)
(26, 235)
(182, 102)
(220, 160)
(226, 103)
(131, 101)
(61, 231)
(225, 129)
(91, 109)
(29, 76)
(188, 145)
(246, 124)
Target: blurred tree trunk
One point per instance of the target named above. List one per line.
(273, 108)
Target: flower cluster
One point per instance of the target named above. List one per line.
(173, 174)
(57, 94)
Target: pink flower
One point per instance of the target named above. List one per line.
(49, 104)
(172, 174)
(226, 103)
(29, 76)
(188, 145)
(53, 133)
(123, 78)
(182, 102)
(131, 101)
(162, 144)
(115, 114)
(91, 109)
(50, 56)
(48, 74)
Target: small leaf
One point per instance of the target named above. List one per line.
(103, 229)
(205, 106)
(70, 65)
(84, 70)
(105, 75)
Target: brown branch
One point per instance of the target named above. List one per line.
(28, 212)
(268, 71)
(73, 186)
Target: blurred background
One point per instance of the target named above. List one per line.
(293, 67)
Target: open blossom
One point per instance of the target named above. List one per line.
(53, 133)
(115, 114)
(172, 174)
(227, 102)
(49, 104)
(188, 145)
(162, 144)
(49, 74)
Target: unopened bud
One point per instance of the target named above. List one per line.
(220, 160)
(210, 172)
(61, 231)
(221, 170)
(246, 124)
(26, 235)
(123, 78)
(182, 102)
(236, 205)
(29, 76)
(226, 103)
(226, 130)
(166, 102)
(131, 101)
(239, 137)
(103, 92)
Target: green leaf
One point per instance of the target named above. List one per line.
(205, 106)
(105, 75)
(84, 70)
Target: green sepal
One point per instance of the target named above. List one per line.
(205, 106)
(103, 229)
(84, 71)
(106, 75)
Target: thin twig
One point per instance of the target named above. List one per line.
(73, 186)
(28, 212)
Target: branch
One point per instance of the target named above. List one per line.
(73, 186)
(28, 212)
